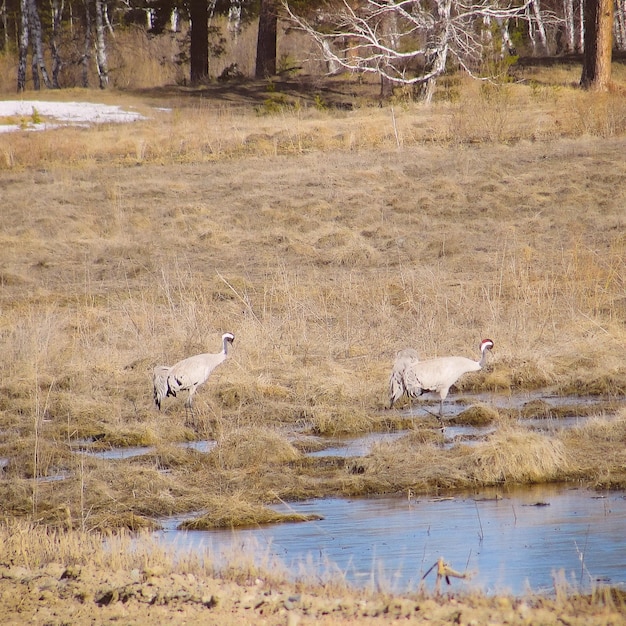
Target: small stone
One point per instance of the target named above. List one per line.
(210, 601)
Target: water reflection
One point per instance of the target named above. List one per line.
(514, 541)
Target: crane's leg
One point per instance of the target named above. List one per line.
(189, 412)
(443, 428)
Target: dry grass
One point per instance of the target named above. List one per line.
(236, 511)
(326, 240)
(517, 456)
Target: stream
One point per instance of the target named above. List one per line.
(512, 541)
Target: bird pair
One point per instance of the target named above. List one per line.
(409, 375)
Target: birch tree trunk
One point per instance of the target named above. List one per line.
(390, 37)
(596, 72)
(101, 53)
(57, 63)
(581, 26)
(23, 46)
(537, 21)
(437, 53)
(85, 61)
(620, 25)
(568, 16)
(37, 45)
(5, 25)
(234, 18)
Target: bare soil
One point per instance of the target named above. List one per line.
(84, 595)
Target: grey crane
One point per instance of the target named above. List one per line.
(413, 377)
(188, 374)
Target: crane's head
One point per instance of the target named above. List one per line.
(486, 344)
(228, 337)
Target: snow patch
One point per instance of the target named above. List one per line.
(70, 113)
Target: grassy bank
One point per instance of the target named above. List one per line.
(56, 577)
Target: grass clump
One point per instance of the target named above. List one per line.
(512, 455)
(251, 447)
(237, 512)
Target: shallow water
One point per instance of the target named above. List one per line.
(513, 544)
(454, 406)
(361, 445)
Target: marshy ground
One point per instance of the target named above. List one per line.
(325, 239)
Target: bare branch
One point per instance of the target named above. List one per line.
(409, 41)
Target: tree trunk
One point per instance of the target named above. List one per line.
(570, 28)
(57, 63)
(101, 52)
(581, 27)
(5, 26)
(389, 29)
(620, 26)
(37, 44)
(598, 15)
(87, 47)
(199, 51)
(437, 55)
(536, 21)
(234, 18)
(23, 45)
(266, 40)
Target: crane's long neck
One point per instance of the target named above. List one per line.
(225, 343)
(483, 356)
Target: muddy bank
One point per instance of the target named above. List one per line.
(58, 594)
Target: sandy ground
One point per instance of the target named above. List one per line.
(78, 595)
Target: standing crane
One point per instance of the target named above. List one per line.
(413, 377)
(188, 374)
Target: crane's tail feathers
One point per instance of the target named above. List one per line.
(402, 377)
(396, 388)
(160, 386)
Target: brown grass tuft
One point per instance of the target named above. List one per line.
(252, 447)
(518, 456)
(237, 511)
(477, 415)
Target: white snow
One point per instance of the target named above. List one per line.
(65, 113)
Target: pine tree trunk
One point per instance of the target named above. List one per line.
(199, 50)
(598, 15)
(23, 45)
(266, 40)
(101, 53)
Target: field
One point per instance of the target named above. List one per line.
(326, 233)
